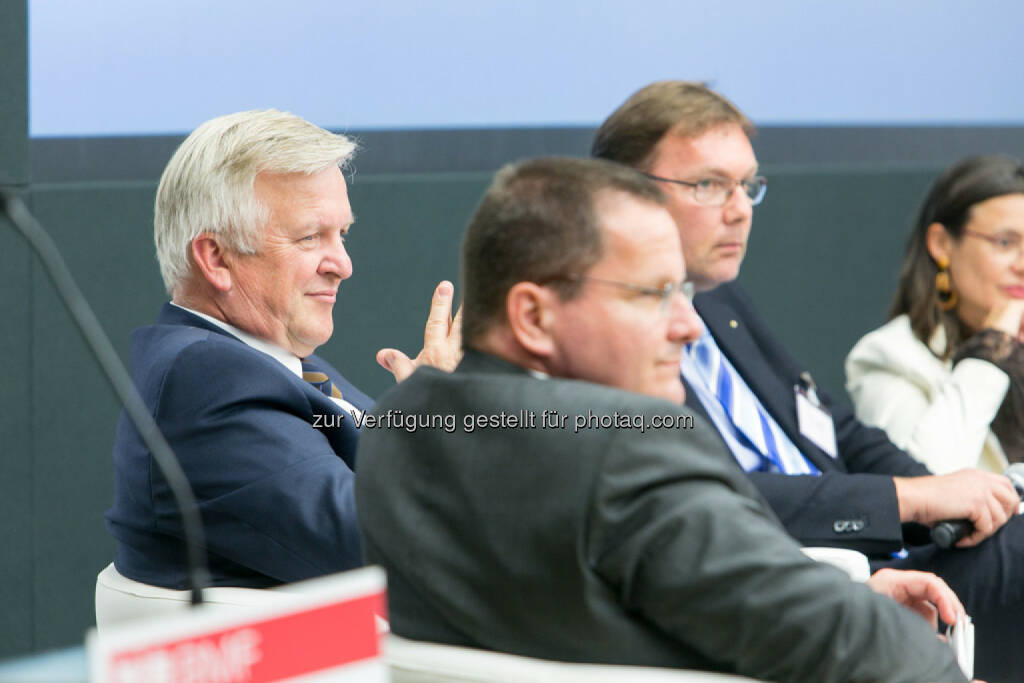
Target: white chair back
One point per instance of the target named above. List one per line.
(413, 661)
(120, 599)
(850, 561)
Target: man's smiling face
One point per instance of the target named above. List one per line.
(285, 293)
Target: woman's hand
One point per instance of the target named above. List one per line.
(1008, 317)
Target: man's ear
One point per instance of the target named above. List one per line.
(212, 260)
(939, 242)
(531, 311)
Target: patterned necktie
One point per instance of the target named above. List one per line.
(739, 404)
(320, 380)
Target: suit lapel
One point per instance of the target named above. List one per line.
(347, 389)
(341, 433)
(335, 423)
(758, 371)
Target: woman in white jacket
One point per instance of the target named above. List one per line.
(945, 376)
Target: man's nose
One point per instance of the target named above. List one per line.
(336, 260)
(685, 325)
(738, 205)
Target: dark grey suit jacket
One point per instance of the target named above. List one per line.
(612, 545)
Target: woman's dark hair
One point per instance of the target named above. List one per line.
(949, 202)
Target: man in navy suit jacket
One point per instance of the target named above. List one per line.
(250, 220)
(860, 490)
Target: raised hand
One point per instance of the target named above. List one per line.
(442, 339)
(1008, 317)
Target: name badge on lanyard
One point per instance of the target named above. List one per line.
(814, 419)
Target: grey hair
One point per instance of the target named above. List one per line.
(208, 183)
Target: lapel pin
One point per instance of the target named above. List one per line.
(733, 324)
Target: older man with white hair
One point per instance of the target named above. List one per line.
(250, 222)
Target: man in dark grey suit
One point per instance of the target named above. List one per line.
(519, 506)
(843, 485)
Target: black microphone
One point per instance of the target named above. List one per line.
(946, 534)
(121, 381)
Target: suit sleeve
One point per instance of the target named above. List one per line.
(678, 540)
(855, 511)
(853, 506)
(856, 508)
(273, 494)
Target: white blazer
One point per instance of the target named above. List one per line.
(937, 413)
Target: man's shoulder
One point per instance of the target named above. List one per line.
(730, 296)
(173, 340)
(195, 355)
(482, 385)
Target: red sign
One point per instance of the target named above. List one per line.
(285, 641)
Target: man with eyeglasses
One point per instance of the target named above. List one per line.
(601, 539)
(831, 480)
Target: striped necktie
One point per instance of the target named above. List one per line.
(739, 403)
(319, 379)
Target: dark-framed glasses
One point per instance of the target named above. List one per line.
(1009, 245)
(663, 293)
(716, 191)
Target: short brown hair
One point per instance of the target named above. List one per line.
(683, 108)
(537, 222)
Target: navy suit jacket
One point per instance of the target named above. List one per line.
(856, 486)
(275, 491)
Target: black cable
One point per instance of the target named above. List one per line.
(121, 381)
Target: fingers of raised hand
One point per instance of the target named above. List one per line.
(439, 320)
(396, 362)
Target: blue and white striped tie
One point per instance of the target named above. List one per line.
(740, 406)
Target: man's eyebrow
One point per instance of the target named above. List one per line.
(325, 226)
(716, 171)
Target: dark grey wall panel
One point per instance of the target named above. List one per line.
(467, 150)
(104, 235)
(880, 146)
(14, 160)
(17, 560)
(16, 453)
(824, 257)
(380, 151)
